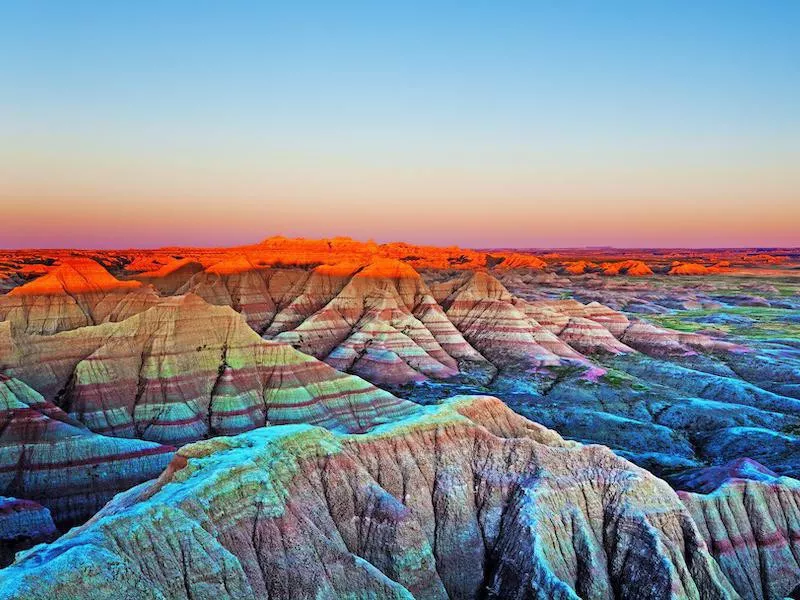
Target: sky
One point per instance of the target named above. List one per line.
(498, 123)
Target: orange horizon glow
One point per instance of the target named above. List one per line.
(527, 125)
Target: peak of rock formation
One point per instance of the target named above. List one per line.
(634, 268)
(385, 325)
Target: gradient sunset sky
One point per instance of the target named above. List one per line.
(497, 123)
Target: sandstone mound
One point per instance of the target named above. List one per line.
(77, 293)
(579, 267)
(634, 268)
(687, 268)
(468, 500)
(47, 456)
(516, 260)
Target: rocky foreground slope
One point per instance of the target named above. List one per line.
(462, 500)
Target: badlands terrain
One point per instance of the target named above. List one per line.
(342, 419)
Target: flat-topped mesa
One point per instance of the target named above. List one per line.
(184, 370)
(384, 325)
(49, 457)
(463, 500)
(77, 293)
(750, 523)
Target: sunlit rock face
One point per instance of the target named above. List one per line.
(465, 500)
(77, 293)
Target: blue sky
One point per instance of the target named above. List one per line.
(493, 123)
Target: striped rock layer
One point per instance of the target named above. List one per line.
(512, 332)
(49, 457)
(465, 500)
(378, 319)
(184, 370)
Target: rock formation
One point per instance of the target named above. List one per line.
(169, 278)
(385, 325)
(77, 293)
(634, 268)
(750, 522)
(183, 370)
(464, 500)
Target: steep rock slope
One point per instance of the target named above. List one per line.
(49, 457)
(467, 500)
(23, 524)
(169, 278)
(514, 333)
(257, 291)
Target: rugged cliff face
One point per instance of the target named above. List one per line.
(465, 500)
